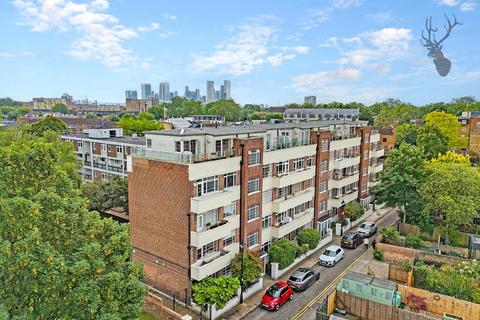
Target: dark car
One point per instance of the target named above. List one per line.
(303, 278)
(351, 240)
(276, 295)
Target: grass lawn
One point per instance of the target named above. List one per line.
(146, 316)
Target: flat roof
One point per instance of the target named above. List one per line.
(233, 130)
(125, 139)
(377, 282)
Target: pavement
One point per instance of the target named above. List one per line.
(304, 304)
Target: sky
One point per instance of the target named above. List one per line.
(273, 51)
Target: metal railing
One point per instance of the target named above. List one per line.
(182, 157)
(99, 165)
(279, 144)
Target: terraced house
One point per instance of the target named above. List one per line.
(198, 196)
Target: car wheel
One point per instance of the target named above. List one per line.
(277, 307)
(318, 277)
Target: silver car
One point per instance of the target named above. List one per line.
(367, 229)
(303, 278)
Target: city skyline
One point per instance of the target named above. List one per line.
(275, 53)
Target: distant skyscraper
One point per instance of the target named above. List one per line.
(146, 90)
(164, 91)
(311, 100)
(131, 94)
(222, 92)
(227, 84)
(198, 97)
(210, 91)
(218, 95)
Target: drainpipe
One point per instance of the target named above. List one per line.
(242, 189)
(187, 298)
(317, 189)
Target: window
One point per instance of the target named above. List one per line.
(365, 171)
(324, 166)
(252, 239)
(267, 221)
(359, 287)
(178, 147)
(230, 209)
(109, 148)
(149, 143)
(282, 168)
(253, 212)
(267, 196)
(364, 186)
(207, 249)
(266, 246)
(104, 147)
(230, 180)
(104, 176)
(207, 185)
(346, 285)
(298, 164)
(119, 149)
(374, 292)
(323, 186)
(253, 185)
(228, 240)
(80, 144)
(310, 161)
(253, 157)
(323, 206)
(206, 219)
(267, 170)
(388, 295)
(384, 139)
(325, 145)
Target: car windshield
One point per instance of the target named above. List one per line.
(348, 237)
(366, 225)
(295, 279)
(274, 291)
(329, 253)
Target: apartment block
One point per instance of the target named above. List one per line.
(320, 114)
(199, 196)
(470, 129)
(103, 152)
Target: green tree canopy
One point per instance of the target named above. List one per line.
(309, 237)
(133, 124)
(407, 133)
(59, 260)
(252, 268)
(48, 123)
(283, 252)
(227, 108)
(215, 291)
(103, 195)
(60, 107)
(432, 141)
(448, 124)
(354, 210)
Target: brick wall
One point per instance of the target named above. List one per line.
(365, 133)
(159, 202)
(154, 306)
(396, 253)
(319, 176)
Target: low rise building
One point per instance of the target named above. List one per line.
(103, 152)
(74, 124)
(470, 129)
(320, 114)
(141, 105)
(388, 139)
(197, 196)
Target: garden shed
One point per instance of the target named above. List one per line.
(372, 288)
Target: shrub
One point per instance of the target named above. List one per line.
(252, 268)
(378, 254)
(302, 249)
(412, 241)
(309, 237)
(215, 291)
(390, 235)
(283, 252)
(354, 210)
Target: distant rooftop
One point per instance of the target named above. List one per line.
(125, 139)
(322, 111)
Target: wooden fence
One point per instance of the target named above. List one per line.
(441, 304)
(397, 272)
(371, 310)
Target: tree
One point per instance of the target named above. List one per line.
(448, 124)
(354, 210)
(432, 140)
(400, 181)
(309, 237)
(103, 195)
(252, 268)
(48, 123)
(274, 115)
(157, 111)
(390, 235)
(59, 260)
(407, 133)
(215, 291)
(452, 157)
(60, 107)
(90, 115)
(283, 252)
(227, 108)
(451, 192)
(137, 125)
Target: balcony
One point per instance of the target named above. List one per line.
(300, 220)
(376, 168)
(289, 153)
(215, 199)
(100, 165)
(116, 169)
(214, 262)
(374, 137)
(341, 200)
(293, 177)
(221, 229)
(377, 153)
(344, 142)
(344, 181)
(344, 163)
(87, 163)
(182, 157)
(291, 201)
(285, 143)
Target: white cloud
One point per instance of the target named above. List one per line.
(150, 27)
(345, 4)
(468, 6)
(101, 35)
(249, 48)
(382, 68)
(380, 17)
(465, 5)
(473, 74)
(6, 55)
(318, 16)
(329, 43)
(450, 3)
(318, 81)
(169, 16)
(166, 34)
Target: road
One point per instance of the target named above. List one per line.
(302, 305)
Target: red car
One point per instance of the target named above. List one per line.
(276, 295)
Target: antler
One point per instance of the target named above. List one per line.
(450, 27)
(428, 42)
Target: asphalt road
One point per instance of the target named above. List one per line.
(296, 308)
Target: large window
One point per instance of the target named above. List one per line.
(282, 167)
(230, 209)
(230, 179)
(267, 196)
(323, 186)
(267, 221)
(253, 157)
(298, 164)
(207, 249)
(207, 185)
(323, 206)
(253, 185)
(206, 219)
(178, 147)
(267, 170)
(253, 212)
(325, 145)
(119, 149)
(324, 166)
(252, 239)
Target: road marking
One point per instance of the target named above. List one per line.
(334, 282)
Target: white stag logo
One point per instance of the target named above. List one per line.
(434, 47)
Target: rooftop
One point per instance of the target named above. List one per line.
(377, 282)
(140, 141)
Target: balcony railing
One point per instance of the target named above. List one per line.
(99, 165)
(183, 157)
(280, 144)
(116, 169)
(343, 137)
(87, 163)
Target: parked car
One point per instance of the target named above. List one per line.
(351, 240)
(331, 256)
(367, 229)
(303, 278)
(276, 295)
